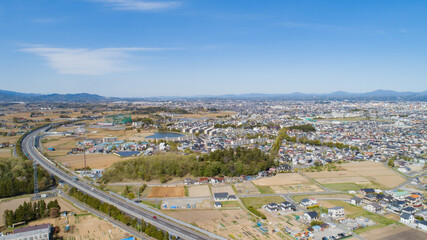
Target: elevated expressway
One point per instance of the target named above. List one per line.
(161, 221)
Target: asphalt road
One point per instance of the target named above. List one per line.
(162, 222)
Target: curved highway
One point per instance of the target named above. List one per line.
(161, 221)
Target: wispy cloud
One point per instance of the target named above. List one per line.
(85, 61)
(138, 5)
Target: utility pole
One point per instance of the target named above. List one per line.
(36, 183)
(84, 155)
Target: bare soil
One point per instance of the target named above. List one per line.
(282, 179)
(96, 161)
(231, 224)
(199, 191)
(160, 192)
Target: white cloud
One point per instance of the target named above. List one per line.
(85, 61)
(137, 5)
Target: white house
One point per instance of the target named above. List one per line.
(374, 207)
(308, 202)
(356, 201)
(310, 216)
(407, 218)
(404, 169)
(336, 212)
(422, 225)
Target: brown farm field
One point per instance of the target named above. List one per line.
(288, 183)
(299, 188)
(365, 173)
(14, 203)
(6, 152)
(96, 161)
(394, 232)
(223, 188)
(246, 187)
(11, 204)
(199, 191)
(160, 192)
(85, 226)
(230, 224)
(282, 179)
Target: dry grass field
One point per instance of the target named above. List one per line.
(223, 188)
(6, 152)
(160, 192)
(282, 179)
(84, 227)
(246, 188)
(376, 172)
(343, 196)
(206, 115)
(359, 173)
(357, 180)
(99, 133)
(199, 191)
(9, 139)
(96, 161)
(11, 204)
(300, 188)
(231, 224)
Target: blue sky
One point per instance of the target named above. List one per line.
(138, 48)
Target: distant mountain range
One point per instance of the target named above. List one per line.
(383, 95)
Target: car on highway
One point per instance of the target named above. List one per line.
(154, 217)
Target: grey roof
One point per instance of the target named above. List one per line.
(313, 214)
(375, 205)
(221, 195)
(409, 209)
(405, 216)
(31, 228)
(336, 208)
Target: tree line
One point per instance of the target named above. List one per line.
(304, 128)
(284, 136)
(114, 212)
(228, 162)
(28, 212)
(16, 177)
(151, 110)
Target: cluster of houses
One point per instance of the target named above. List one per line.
(222, 196)
(407, 205)
(283, 206)
(336, 213)
(214, 180)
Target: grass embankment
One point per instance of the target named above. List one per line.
(230, 204)
(351, 186)
(154, 204)
(258, 202)
(265, 189)
(186, 191)
(298, 198)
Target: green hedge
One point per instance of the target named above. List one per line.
(256, 212)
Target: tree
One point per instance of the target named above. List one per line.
(54, 212)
